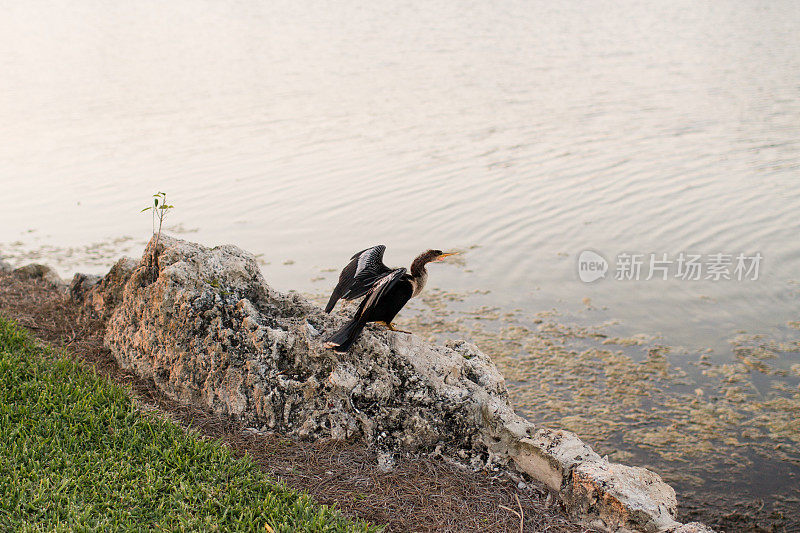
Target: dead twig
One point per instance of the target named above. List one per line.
(520, 514)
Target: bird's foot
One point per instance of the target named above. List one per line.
(392, 328)
(330, 345)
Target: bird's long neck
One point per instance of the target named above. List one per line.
(419, 275)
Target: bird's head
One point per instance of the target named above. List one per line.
(430, 256)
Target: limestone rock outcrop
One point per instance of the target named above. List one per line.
(206, 327)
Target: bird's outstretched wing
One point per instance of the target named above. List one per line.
(360, 275)
(381, 287)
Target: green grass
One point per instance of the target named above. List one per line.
(75, 455)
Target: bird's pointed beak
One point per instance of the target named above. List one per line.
(443, 256)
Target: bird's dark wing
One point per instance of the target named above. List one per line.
(361, 273)
(380, 289)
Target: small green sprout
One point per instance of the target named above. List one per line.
(159, 210)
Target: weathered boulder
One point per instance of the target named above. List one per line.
(5, 268)
(103, 295)
(622, 495)
(81, 284)
(206, 327)
(39, 272)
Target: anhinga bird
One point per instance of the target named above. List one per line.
(387, 290)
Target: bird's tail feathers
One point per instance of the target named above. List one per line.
(345, 336)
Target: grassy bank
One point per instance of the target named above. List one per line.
(75, 454)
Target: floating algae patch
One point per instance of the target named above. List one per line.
(635, 340)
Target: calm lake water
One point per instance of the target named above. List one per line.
(522, 132)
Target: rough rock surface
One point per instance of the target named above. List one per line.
(81, 284)
(622, 495)
(206, 327)
(5, 268)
